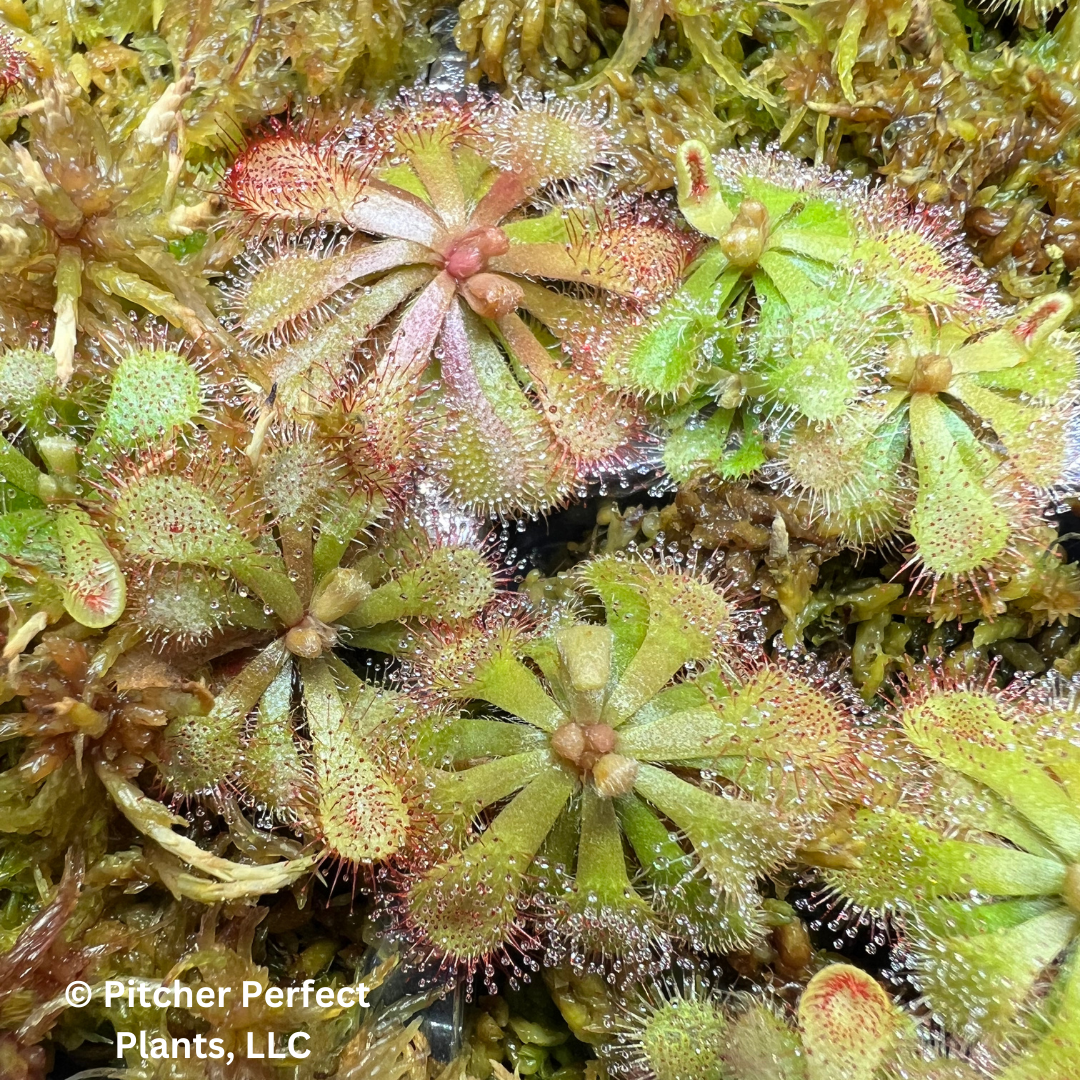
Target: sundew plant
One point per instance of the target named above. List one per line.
(610, 763)
(878, 380)
(477, 239)
(558, 513)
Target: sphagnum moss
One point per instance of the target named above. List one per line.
(187, 561)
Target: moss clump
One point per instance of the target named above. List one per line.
(277, 338)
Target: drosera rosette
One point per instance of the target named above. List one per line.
(289, 729)
(806, 240)
(229, 552)
(845, 1026)
(90, 207)
(820, 270)
(1015, 377)
(980, 861)
(613, 786)
(877, 379)
(64, 585)
(465, 244)
(142, 387)
(968, 442)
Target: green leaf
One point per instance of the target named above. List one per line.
(464, 740)
(361, 811)
(153, 393)
(736, 840)
(849, 1024)
(30, 536)
(625, 607)
(492, 450)
(853, 468)
(700, 197)
(688, 617)
(26, 376)
(980, 983)
(962, 918)
(505, 682)
(548, 229)
(699, 445)
(778, 200)
(447, 582)
(467, 902)
(801, 283)
(95, 592)
(761, 1046)
(271, 769)
(1029, 340)
(191, 244)
(773, 732)
(1059, 751)
(1055, 1051)
(969, 805)
(750, 455)
(665, 356)
(466, 793)
(17, 470)
(342, 518)
(958, 523)
(204, 752)
(818, 380)
(713, 921)
(821, 230)
(167, 518)
(603, 901)
(967, 731)
(901, 863)
(1036, 435)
